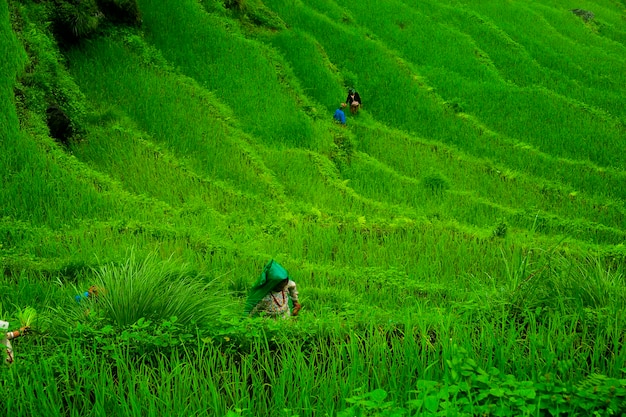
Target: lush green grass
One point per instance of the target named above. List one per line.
(246, 75)
(458, 244)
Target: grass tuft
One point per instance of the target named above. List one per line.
(153, 290)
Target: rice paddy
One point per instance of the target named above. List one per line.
(458, 246)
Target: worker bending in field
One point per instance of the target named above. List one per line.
(273, 294)
(340, 116)
(353, 100)
(6, 337)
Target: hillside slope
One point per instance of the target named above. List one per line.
(470, 217)
(218, 123)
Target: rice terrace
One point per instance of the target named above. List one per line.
(449, 243)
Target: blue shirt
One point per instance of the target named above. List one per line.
(340, 116)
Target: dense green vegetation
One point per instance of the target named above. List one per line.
(458, 246)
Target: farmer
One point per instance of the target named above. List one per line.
(339, 115)
(272, 294)
(354, 100)
(92, 293)
(6, 337)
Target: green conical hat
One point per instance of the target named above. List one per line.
(272, 274)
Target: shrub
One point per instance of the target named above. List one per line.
(471, 390)
(73, 22)
(154, 290)
(456, 105)
(435, 182)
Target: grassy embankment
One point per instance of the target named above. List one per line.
(474, 205)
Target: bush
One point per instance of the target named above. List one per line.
(74, 22)
(435, 182)
(472, 391)
(154, 290)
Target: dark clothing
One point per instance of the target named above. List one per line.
(353, 97)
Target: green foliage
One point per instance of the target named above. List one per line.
(455, 105)
(500, 229)
(143, 338)
(208, 140)
(261, 16)
(350, 79)
(586, 15)
(27, 317)
(239, 5)
(435, 182)
(150, 289)
(74, 21)
(45, 89)
(371, 403)
(343, 151)
(471, 390)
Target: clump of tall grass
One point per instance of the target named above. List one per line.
(561, 284)
(27, 317)
(73, 22)
(435, 182)
(154, 289)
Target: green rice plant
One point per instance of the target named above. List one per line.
(261, 100)
(395, 97)
(435, 182)
(500, 229)
(149, 169)
(443, 84)
(515, 62)
(421, 39)
(145, 94)
(560, 284)
(317, 74)
(594, 285)
(27, 317)
(390, 277)
(548, 49)
(155, 290)
(330, 376)
(75, 21)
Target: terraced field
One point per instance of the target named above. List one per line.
(473, 210)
